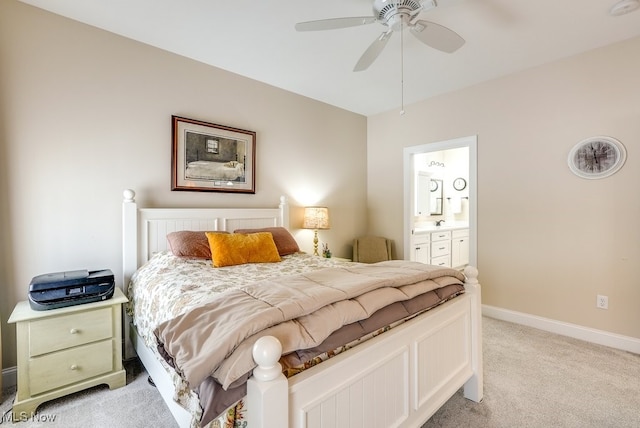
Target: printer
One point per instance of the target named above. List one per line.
(62, 289)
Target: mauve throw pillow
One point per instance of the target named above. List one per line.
(189, 243)
(284, 241)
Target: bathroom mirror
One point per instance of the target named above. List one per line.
(435, 202)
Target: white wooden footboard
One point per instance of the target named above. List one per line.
(400, 378)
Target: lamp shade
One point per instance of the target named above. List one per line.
(316, 218)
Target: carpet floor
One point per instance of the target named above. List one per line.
(532, 379)
(138, 404)
(538, 379)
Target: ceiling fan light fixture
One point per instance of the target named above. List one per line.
(623, 7)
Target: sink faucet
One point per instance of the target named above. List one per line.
(439, 222)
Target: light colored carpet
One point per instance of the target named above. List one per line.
(137, 404)
(538, 379)
(532, 379)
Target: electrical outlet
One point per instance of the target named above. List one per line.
(602, 302)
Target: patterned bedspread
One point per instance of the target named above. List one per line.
(168, 286)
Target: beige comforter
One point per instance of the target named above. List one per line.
(301, 311)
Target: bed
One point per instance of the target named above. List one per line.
(223, 171)
(397, 378)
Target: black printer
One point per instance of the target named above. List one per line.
(61, 289)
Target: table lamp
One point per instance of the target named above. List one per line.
(316, 218)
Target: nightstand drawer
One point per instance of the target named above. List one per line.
(66, 331)
(66, 367)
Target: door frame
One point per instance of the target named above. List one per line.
(471, 142)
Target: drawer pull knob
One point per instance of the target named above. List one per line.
(74, 331)
(73, 367)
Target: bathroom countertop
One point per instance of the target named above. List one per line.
(426, 228)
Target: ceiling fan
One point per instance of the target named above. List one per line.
(395, 15)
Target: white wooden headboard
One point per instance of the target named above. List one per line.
(144, 230)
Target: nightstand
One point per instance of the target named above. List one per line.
(62, 351)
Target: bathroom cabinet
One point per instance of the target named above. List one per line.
(447, 247)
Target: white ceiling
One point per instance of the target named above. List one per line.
(257, 39)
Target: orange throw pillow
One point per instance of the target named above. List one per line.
(237, 248)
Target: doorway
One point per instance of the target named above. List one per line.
(410, 196)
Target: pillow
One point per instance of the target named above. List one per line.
(284, 241)
(189, 243)
(237, 248)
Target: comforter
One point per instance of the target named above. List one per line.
(300, 310)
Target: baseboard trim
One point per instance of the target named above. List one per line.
(600, 337)
(9, 377)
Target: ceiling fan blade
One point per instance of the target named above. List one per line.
(335, 23)
(373, 51)
(437, 36)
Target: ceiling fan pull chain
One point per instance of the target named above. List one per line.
(402, 70)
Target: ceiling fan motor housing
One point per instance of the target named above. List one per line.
(395, 13)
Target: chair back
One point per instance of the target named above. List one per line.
(371, 249)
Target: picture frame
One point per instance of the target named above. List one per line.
(207, 157)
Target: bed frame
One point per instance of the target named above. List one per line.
(399, 378)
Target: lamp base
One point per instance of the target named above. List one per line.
(315, 242)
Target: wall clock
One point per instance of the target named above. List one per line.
(434, 185)
(597, 157)
(459, 183)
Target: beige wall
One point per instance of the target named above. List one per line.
(548, 241)
(85, 114)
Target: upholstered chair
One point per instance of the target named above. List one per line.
(371, 249)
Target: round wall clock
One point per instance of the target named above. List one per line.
(459, 183)
(434, 185)
(597, 157)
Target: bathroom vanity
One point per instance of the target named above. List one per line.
(444, 245)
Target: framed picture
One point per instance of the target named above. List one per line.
(206, 157)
